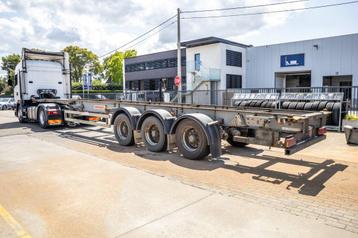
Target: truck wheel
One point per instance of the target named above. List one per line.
(300, 105)
(292, 105)
(235, 143)
(315, 106)
(322, 105)
(152, 133)
(123, 130)
(191, 140)
(19, 114)
(42, 118)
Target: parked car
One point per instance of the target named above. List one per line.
(7, 103)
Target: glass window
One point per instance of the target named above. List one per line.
(233, 81)
(233, 58)
(197, 62)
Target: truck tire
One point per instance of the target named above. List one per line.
(308, 106)
(42, 118)
(285, 105)
(263, 105)
(18, 113)
(335, 113)
(235, 143)
(191, 140)
(322, 105)
(123, 130)
(292, 105)
(315, 106)
(300, 105)
(153, 135)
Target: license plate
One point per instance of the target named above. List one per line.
(54, 122)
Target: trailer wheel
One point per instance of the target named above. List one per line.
(235, 143)
(42, 118)
(191, 140)
(123, 130)
(152, 133)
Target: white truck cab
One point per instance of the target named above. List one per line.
(40, 75)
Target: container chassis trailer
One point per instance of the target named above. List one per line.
(42, 92)
(196, 130)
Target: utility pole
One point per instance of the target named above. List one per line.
(179, 56)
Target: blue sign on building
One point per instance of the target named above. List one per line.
(292, 60)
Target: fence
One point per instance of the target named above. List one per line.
(223, 97)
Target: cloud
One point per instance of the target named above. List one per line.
(63, 36)
(104, 25)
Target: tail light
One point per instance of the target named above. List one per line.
(322, 131)
(53, 112)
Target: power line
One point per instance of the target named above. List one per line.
(243, 7)
(151, 35)
(138, 37)
(270, 12)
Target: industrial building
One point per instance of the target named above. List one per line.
(217, 64)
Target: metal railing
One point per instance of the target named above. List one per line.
(223, 97)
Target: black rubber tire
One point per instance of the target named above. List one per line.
(300, 105)
(322, 105)
(4, 107)
(285, 105)
(258, 103)
(274, 105)
(18, 113)
(308, 106)
(202, 149)
(125, 138)
(235, 143)
(154, 146)
(237, 103)
(329, 106)
(292, 105)
(315, 106)
(264, 104)
(42, 118)
(252, 103)
(335, 113)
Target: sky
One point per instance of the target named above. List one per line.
(102, 26)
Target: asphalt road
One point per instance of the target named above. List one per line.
(77, 182)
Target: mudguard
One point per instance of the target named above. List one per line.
(131, 112)
(210, 128)
(164, 116)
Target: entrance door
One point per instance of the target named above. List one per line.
(213, 93)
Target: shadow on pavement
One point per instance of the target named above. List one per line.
(310, 183)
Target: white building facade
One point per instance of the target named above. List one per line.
(331, 61)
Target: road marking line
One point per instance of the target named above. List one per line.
(10, 220)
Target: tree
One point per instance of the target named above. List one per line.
(79, 58)
(113, 65)
(9, 63)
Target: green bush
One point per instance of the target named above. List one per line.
(76, 85)
(351, 117)
(96, 91)
(9, 91)
(97, 85)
